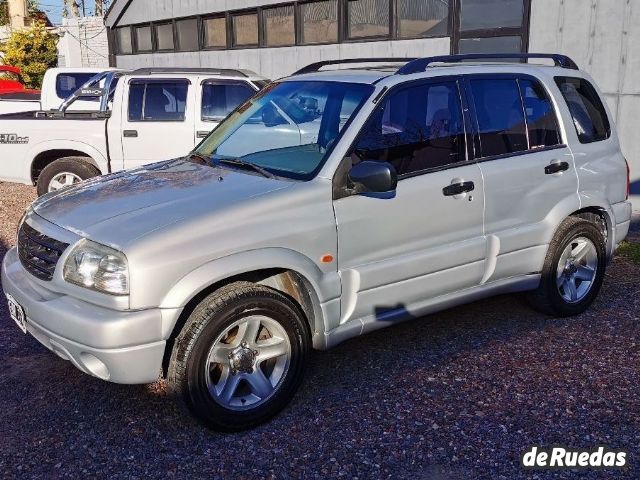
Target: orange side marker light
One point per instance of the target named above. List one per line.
(327, 258)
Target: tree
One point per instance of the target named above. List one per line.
(33, 50)
(71, 8)
(4, 12)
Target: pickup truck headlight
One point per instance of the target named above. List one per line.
(97, 267)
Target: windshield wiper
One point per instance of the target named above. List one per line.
(236, 162)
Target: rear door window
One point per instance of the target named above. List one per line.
(418, 128)
(542, 123)
(220, 98)
(588, 112)
(158, 101)
(501, 121)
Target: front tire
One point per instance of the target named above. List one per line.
(573, 270)
(64, 172)
(240, 357)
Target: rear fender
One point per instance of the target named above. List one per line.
(96, 158)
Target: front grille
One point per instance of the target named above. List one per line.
(38, 253)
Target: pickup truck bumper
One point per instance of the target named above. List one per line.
(101, 342)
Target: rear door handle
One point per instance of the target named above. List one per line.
(556, 167)
(202, 133)
(458, 188)
(130, 133)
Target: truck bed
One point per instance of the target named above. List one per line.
(54, 115)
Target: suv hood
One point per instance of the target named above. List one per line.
(118, 208)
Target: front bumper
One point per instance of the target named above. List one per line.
(118, 346)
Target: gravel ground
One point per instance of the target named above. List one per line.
(460, 395)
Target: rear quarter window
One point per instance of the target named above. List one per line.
(587, 111)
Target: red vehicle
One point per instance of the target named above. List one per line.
(11, 81)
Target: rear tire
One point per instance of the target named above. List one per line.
(54, 175)
(235, 339)
(573, 270)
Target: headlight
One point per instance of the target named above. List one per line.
(97, 267)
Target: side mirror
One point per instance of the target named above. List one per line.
(271, 117)
(373, 176)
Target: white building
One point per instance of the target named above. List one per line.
(83, 43)
(275, 38)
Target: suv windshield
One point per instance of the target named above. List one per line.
(287, 128)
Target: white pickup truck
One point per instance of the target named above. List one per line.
(135, 118)
(57, 85)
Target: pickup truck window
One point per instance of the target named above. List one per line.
(68, 83)
(288, 128)
(500, 116)
(220, 98)
(157, 101)
(416, 129)
(589, 115)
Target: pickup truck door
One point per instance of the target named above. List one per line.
(157, 120)
(215, 99)
(397, 252)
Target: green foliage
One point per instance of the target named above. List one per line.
(630, 250)
(4, 12)
(33, 6)
(33, 50)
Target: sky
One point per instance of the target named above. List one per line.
(53, 8)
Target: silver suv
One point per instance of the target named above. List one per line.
(404, 191)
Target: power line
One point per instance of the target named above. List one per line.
(83, 43)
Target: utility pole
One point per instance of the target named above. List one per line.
(17, 13)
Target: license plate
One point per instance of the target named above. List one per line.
(17, 313)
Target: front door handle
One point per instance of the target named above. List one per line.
(458, 188)
(202, 133)
(130, 133)
(556, 167)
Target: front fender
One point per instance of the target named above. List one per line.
(325, 284)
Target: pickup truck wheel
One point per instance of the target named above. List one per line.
(64, 172)
(573, 269)
(240, 357)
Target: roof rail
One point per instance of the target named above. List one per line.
(314, 67)
(421, 64)
(213, 71)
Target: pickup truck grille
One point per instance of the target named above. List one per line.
(38, 253)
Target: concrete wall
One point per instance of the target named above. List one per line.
(603, 37)
(83, 43)
(279, 62)
(141, 11)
